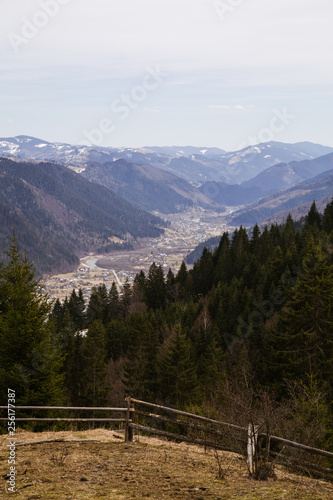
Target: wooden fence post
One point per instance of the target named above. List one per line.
(128, 428)
(252, 441)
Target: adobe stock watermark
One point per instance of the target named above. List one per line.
(224, 8)
(122, 107)
(31, 27)
(279, 121)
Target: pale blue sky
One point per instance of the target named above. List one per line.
(226, 67)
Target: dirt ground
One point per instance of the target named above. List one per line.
(147, 468)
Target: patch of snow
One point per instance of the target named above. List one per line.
(235, 159)
(268, 156)
(203, 151)
(42, 145)
(11, 148)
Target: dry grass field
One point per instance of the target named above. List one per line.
(147, 468)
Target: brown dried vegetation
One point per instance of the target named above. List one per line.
(148, 468)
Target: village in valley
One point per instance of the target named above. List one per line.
(185, 232)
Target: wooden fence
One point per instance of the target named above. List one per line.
(174, 424)
(68, 408)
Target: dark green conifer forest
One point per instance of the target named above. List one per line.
(247, 331)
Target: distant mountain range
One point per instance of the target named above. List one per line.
(305, 192)
(192, 164)
(272, 180)
(60, 215)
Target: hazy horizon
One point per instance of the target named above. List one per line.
(218, 73)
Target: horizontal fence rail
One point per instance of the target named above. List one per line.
(71, 408)
(68, 408)
(186, 414)
(299, 446)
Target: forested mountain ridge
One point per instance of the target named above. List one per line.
(317, 188)
(146, 187)
(59, 214)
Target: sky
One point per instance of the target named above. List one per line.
(215, 73)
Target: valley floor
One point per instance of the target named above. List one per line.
(185, 232)
(147, 468)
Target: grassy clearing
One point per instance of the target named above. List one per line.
(147, 468)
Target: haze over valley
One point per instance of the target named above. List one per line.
(122, 209)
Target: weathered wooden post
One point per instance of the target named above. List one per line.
(252, 441)
(128, 428)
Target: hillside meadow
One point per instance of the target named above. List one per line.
(147, 468)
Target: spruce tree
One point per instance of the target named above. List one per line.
(313, 219)
(255, 241)
(155, 287)
(177, 374)
(76, 307)
(222, 261)
(113, 303)
(140, 369)
(328, 218)
(126, 299)
(74, 363)
(98, 305)
(302, 343)
(182, 279)
(288, 238)
(30, 358)
(170, 291)
(94, 353)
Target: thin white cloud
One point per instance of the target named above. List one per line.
(151, 110)
(235, 107)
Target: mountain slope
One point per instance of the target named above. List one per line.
(296, 212)
(146, 187)
(286, 175)
(314, 189)
(273, 180)
(59, 215)
(252, 160)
